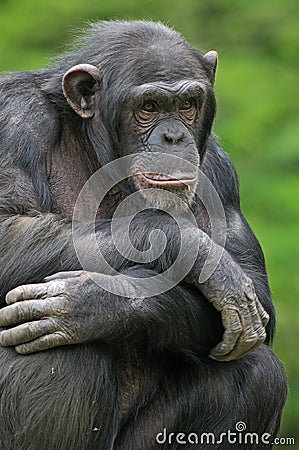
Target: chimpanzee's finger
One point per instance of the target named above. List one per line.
(25, 333)
(233, 329)
(60, 275)
(26, 311)
(242, 334)
(42, 343)
(35, 291)
(262, 313)
(246, 344)
(26, 292)
(253, 334)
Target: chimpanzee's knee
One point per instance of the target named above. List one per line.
(249, 395)
(57, 399)
(264, 390)
(235, 398)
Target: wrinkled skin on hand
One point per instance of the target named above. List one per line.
(244, 319)
(61, 311)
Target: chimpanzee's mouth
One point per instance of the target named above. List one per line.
(157, 180)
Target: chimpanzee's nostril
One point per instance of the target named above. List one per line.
(174, 138)
(167, 137)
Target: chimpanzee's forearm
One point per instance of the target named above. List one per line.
(35, 246)
(32, 248)
(178, 319)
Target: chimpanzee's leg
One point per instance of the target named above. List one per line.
(211, 398)
(62, 399)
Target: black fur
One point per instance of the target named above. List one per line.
(150, 369)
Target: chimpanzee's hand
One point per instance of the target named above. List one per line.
(244, 319)
(61, 311)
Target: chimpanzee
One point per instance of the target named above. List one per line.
(83, 367)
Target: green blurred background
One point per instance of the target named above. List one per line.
(257, 120)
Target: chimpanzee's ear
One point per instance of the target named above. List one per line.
(212, 58)
(79, 85)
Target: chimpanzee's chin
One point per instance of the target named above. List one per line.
(166, 199)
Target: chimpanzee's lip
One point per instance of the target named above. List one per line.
(160, 180)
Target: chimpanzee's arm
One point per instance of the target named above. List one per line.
(63, 303)
(175, 320)
(241, 242)
(75, 308)
(244, 248)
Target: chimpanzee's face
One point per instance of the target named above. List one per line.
(161, 129)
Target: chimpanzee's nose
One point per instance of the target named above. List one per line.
(174, 136)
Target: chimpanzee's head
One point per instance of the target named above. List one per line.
(153, 94)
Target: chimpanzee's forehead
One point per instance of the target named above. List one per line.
(167, 63)
(161, 53)
(164, 68)
(166, 89)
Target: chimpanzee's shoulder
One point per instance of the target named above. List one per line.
(22, 93)
(218, 167)
(27, 116)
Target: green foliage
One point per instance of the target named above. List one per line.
(257, 117)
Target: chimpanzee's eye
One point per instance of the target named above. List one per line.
(149, 107)
(187, 110)
(147, 113)
(186, 104)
